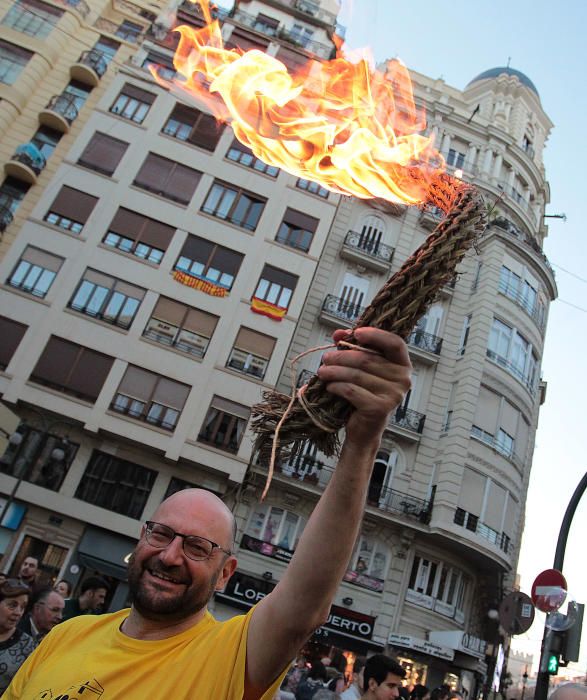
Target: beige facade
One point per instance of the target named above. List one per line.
(162, 277)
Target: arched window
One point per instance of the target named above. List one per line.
(372, 232)
(380, 484)
(276, 526)
(369, 563)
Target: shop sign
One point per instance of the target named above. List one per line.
(246, 590)
(460, 641)
(266, 548)
(349, 623)
(373, 584)
(408, 642)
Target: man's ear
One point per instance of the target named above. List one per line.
(227, 570)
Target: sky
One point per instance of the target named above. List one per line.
(456, 40)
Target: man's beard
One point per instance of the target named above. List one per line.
(157, 607)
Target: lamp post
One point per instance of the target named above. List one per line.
(524, 681)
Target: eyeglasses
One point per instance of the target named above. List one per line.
(194, 547)
(13, 586)
(55, 610)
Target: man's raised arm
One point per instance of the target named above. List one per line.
(374, 384)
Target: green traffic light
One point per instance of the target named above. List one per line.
(553, 664)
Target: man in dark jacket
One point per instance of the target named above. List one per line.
(93, 593)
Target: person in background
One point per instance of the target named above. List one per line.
(64, 588)
(296, 674)
(440, 693)
(325, 694)
(46, 612)
(28, 571)
(355, 689)
(455, 695)
(382, 678)
(315, 680)
(569, 691)
(90, 601)
(420, 692)
(15, 645)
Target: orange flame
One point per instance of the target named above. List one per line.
(351, 129)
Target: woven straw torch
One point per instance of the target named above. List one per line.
(397, 307)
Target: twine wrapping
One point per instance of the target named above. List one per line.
(397, 307)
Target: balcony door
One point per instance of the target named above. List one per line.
(352, 296)
(381, 478)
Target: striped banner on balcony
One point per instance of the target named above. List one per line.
(202, 285)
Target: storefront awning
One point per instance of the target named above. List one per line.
(105, 551)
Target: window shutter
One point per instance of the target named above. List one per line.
(103, 153)
(170, 393)
(196, 248)
(245, 41)
(207, 132)
(255, 343)
(495, 506)
(127, 223)
(129, 290)
(135, 92)
(234, 409)
(89, 375)
(200, 322)
(154, 172)
(73, 204)
(138, 383)
(11, 333)
(56, 361)
(292, 59)
(170, 311)
(472, 491)
(299, 220)
(157, 234)
(486, 411)
(510, 417)
(39, 257)
(182, 183)
(99, 278)
(274, 274)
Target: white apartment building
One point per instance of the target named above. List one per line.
(164, 276)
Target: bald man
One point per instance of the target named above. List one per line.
(569, 691)
(168, 645)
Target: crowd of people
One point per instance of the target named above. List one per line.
(29, 610)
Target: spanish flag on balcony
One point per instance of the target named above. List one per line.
(197, 283)
(260, 306)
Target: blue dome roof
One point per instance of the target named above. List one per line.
(495, 72)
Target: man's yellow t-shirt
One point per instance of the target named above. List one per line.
(89, 657)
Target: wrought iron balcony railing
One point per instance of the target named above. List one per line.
(471, 522)
(5, 216)
(425, 341)
(528, 381)
(501, 447)
(509, 227)
(408, 419)
(530, 306)
(65, 106)
(342, 308)
(95, 60)
(362, 243)
(253, 22)
(304, 377)
(29, 154)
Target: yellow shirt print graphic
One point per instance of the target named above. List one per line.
(78, 691)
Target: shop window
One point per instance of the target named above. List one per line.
(239, 153)
(276, 287)
(369, 564)
(275, 526)
(11, 332)
(297, 230)
(312, 187)
(103, 153)
(225, 424)
(32, 17)
(35, 272)
(167, 178)
(133, 103)
(71, 209)
(107, 298)
(195, 127)
(251, 352)
(209, 262)
(139, 235)
(437, 586)
(181, 326)
(51, 558)
(72, 369)
(150, 397)
(41, 458)
(116, 484)
(232, 204)
(12, 61)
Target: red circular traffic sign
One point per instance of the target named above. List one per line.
(549, 590)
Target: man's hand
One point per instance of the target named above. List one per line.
(373, 383)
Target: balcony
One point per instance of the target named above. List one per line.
(528, 380)
(311, 8)
(372, 254)
(524, 302)
(339, 312)
(407, 423)
(6, 215)
(60, 112)
(80, 5)
(89, 67)
(430, 217)
(506, 225)
(314, 47)
(253, 22)
(26, 164)
(430, 345)
(471, 522)
(501, 447)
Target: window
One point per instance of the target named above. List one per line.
(180, 326)
(139, 235)
(513, 352)
(504, 443)
(237, 206)
(176, 485)
(276, 287)
(208, 261)
(265, 24)
(78, 92)
(275, 526)
(245, 40)
(150, 397)
(239, 153)
(11, 332)
(518, 289)
(116, 484)
(12, 60)
(103, 153)
(465, 334)
(46, 139)
(107, 48)
(369, 564)
(167, 178)
(72, 369)
(437, 586)
(455, 158)
(101, 296)
(297, 230)
(70, 209)
(133, 103)
(198, 128)
(301, 35)
(162, 64)
(41, 458)
(379, 493)
(12, 192)
(224, 425)
(312, 187)
(35, 271)
(251, 352)
(129, 31)
(32, 17)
